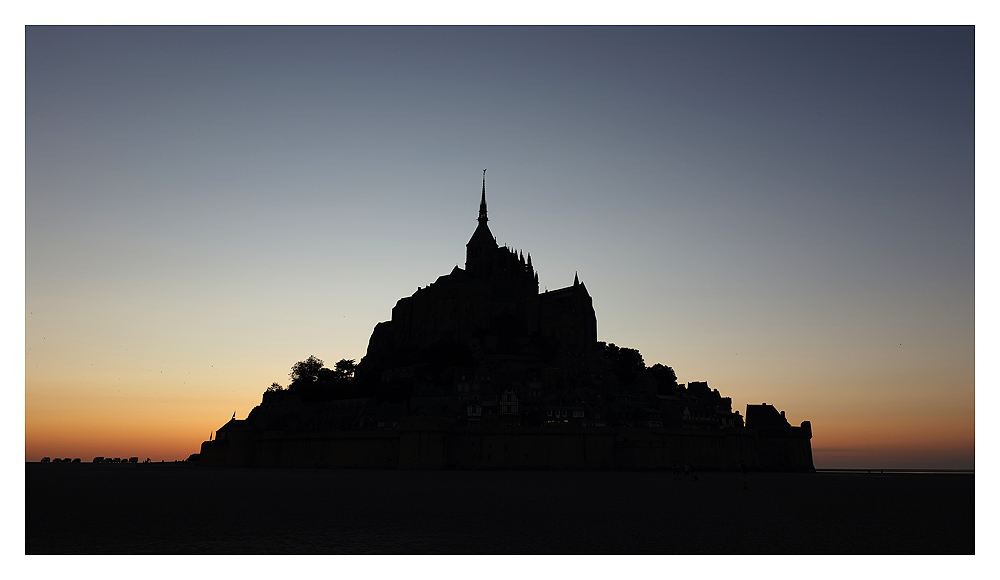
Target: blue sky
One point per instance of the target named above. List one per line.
(787, 213)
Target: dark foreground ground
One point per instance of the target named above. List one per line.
(183, 509)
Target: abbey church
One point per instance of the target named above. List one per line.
(480, 370)
(489, 315)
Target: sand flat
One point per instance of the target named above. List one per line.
(185, 509)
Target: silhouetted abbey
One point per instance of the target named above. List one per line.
(479, 370)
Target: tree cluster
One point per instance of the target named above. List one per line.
(313, 381)
(665, 377)
(626, 363)
(312, 370)
(628, 367)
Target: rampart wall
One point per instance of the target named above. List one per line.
(784, 449)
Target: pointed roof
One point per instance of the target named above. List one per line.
(482, 204)
(483, 235)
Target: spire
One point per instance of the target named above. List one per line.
(576, 279)
(482, 204)
(481, 245)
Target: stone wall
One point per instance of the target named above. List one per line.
(440, 447)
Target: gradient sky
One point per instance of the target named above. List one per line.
(786, 213)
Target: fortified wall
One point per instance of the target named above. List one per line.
(420, 444)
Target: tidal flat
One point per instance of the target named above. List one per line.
(186, 509)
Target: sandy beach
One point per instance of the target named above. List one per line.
(185, 509)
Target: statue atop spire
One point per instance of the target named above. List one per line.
(482, 204)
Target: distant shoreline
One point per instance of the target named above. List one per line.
(898, 470)
(859, 470)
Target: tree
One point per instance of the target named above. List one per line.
(627, 363)
(274, 387)
(306, 371)
(345, 368)
(666, 379)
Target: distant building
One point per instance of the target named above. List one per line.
(764, 415)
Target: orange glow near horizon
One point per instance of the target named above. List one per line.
(135, 404)
(89, 422)
(893, 444)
